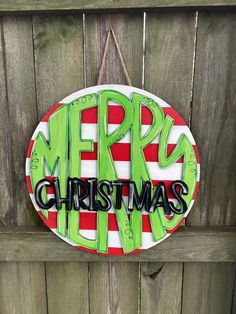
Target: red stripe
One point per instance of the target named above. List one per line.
(174, 115)
(29, 150)
(121, 152)
(116, 115)
(50, 189)
(111, 251)
(50, 112)
(88, 221)
(51, 221)
(176, 227)
(196, 190)
(28, 183)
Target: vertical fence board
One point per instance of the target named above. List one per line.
(22, 288)
(7, 212)
(113, 287)
(70, 282)
(119, 283)
(21, 101)
(208, 287)
(157, 287)
(22, 285)
(129, 33)
(58, 42)
(169, 58)
(168, 74)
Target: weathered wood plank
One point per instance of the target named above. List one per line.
(169, 58)
(22, 288)
(168, 74)
(120, 283)
(188, 244)
(58, 42)
(70, 280)
(213, 287)
(128, 30)
(233, 301)
(21, 114)
(82, 5)
(7, 212)
(115, 278)
(24, 281)
(165, 282)
(214, 128)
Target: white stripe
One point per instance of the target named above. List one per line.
(49, 196)
(42, 127)
(113, 238)
(47, 173)
(126, 90)
(173, 172)
(27, 166)
(89, 170)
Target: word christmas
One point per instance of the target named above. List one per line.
(118, 155)
(78, 191)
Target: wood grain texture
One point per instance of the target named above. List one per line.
(208, 288)
(58, 43)
(22, 288)
(160, 283)
(21, 116)
(188, 244)
(24, 281)
(114, 277)
(67, 288)
(89, 5)
(233, 300)
(7, 212)
(128, 30)
(213, 119)
(168, 74)
(116, 285)
(169, 58)
(214, 128)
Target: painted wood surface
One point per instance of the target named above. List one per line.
(46, 57)
(214, 128)
(31, 6)
(115, 278)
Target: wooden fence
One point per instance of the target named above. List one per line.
(183, 51)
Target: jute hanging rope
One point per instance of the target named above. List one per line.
(102, 69)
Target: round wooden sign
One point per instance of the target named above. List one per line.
(112, 169)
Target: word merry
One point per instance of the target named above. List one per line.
(61, 153)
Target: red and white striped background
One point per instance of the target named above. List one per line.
(121, 156)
